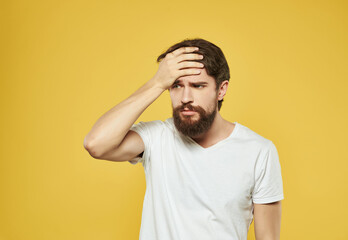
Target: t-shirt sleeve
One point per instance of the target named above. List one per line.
(268, 178)
(146, 131)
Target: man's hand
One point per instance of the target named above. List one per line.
(176, 64)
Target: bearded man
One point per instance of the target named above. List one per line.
(206, 178)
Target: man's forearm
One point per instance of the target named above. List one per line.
(110, 129)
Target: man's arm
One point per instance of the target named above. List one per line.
(111, 128)
(267, 219)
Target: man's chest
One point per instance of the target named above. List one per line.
(195, 178)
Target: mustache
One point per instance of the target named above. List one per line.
(188, 106)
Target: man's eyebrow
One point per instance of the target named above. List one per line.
(194, 83)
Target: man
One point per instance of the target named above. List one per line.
(206, 178)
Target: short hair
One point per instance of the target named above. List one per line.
(214, 60)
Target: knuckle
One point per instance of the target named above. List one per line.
(171, 68)
(180, 58)
(170, 62)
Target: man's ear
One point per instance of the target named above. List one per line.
(222, 90)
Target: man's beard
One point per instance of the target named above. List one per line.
(189, 127)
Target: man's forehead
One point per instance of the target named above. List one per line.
(202, 77)
(192, 80)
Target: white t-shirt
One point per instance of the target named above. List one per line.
(204, 193)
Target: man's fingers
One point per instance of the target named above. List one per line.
(189, 71)
(189, 56)
(187, 64)
(182, 50)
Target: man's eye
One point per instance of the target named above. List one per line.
(199, 86)
(175, 86)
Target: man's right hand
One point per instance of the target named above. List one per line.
(110, 137)
(176, 64)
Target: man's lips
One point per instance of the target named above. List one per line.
(188, 112)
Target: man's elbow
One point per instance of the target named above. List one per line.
(91, 149)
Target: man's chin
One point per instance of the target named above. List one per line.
(189, 119)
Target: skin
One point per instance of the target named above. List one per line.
(199, 90)
(110, 138)
(267, 219)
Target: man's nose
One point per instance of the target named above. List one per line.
(186, 95)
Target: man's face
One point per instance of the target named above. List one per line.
(194, 102)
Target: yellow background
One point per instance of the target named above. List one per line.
(65, 63)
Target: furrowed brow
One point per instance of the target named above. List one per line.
(199, 83)
(193, 83)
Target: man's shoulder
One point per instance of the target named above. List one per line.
(247, 134)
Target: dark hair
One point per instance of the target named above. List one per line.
(214, 60)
